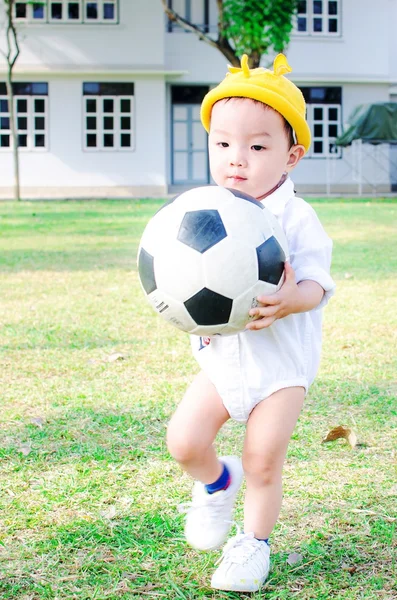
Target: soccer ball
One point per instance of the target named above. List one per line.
(206, 255)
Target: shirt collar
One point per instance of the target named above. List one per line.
(277, 201)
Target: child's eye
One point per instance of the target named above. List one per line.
(257, 148)
(223, 144)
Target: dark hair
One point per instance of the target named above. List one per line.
(289, 132)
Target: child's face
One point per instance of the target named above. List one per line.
(248, 146)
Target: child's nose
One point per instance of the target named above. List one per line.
(237, 159)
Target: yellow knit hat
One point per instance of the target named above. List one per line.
(269, 87)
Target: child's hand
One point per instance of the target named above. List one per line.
(278, 305)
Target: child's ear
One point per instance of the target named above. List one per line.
(297, 151)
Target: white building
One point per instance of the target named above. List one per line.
(108, 94)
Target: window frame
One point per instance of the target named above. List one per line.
(83, 19)
(332, 100)
(100, 115)
(31, 115)
(326, 17)
(172, 27)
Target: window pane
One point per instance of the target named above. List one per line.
(125, 140)
(333, 149)
(3, 106)
(91, 122)
(333, 26)
(56, 10)
(22, 106)
(91, 140)
(22, 89)
(20, 10)
(39, 89)
(108, 11)
(332, 8)
(318, 130)
(318, 114)
(125, 105)
(38, 11)
(302, 7)
(332, 114)
(22, 140)
(333, 130)
(108, 123)
(318, 147)
(39, 140)
(92, 10)
(302, 24)
(108, 105)
(39, 123)
(22, 123)
(108, 140)
(39, 105)
(91, 105)
(317, 94)
(317, 25)
(73, 10)
(125, 123)
(4, 123)
(4, 141)
(318, 7)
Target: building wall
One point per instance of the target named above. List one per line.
(65, 169)
(52, 46)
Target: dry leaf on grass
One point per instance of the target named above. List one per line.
(349, 568)
(38, 421)
(294, 558)
(341, 432)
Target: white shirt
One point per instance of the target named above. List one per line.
(247, 367)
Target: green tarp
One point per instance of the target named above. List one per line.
(373, 124)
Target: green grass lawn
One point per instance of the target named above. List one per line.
(88, 492)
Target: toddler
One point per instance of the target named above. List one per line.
(257, 135)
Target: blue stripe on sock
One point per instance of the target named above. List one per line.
(263, 540)
(221, 483)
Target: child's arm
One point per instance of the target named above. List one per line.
(291, 298)
(310, 256)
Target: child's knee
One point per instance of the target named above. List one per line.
(181, 447)
(260, 470)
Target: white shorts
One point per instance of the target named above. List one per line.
(248, 367)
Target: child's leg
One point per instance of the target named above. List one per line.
(190, 438)
(245, 562)
(268, 432)
(193, 427)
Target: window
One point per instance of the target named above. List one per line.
(324, 108)
(108, 116)
(31, 116)
(318, 17)
(195, 11)
(67, 11)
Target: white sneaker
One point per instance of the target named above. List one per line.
(209, 516)
(244, 566)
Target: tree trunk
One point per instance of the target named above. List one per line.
(11, 58)
(14, 135)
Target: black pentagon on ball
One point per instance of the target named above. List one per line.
(209, 308)
(271, 259)
(201, 229)
(246, 197)
(146, 271)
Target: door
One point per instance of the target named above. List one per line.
(189, 139)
